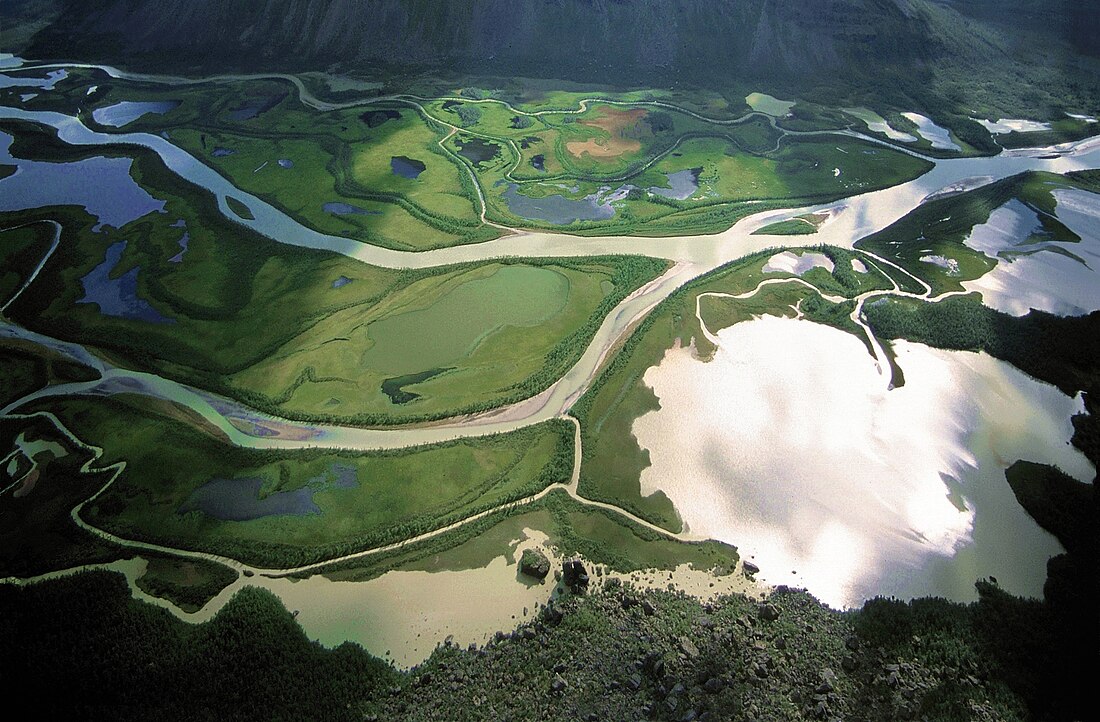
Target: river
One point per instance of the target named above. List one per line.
(692, 256)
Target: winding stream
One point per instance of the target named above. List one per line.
(692, 256)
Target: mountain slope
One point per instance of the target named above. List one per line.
(918, 52)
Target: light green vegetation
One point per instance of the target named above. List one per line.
(600, 536)
(187, 583)
(345, 501)
(546, 145)
(612, 460)
(37, 534)
(334, 157)
(939, 228)
(315, 335)
(21, 250)
(803, 225)
(475, 334)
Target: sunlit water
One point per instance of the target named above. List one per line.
(789, 445)
(1047, 279)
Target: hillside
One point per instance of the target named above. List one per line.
(827, 48)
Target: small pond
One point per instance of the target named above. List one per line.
(347, 209)
(395, 387)
(476, 150)
(256, 108)
(178, 258)
(683, 184)
(407, 167)
(239, 499)
(556, 208)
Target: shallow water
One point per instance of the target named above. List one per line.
(346, 209)
(118, 296)
(683, 184)
(789, 445)
(29, 81)
(556, 208)
(103, 186)
(1045, 279)
(764, 103)
(1012, 125)
(239, 500)
(403, 615)
(128, 111)
(406, 167)
(877, 124)
(797, 263)
(938, 136)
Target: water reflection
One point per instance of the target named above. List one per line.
(789, 446)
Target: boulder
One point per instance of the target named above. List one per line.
(534, 564)
(688, 647)
(558, 684)
(575, 576)
(768, 613)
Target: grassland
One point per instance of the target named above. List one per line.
(344, 501)
(312, 334)
(612, 460)
(21, 250)
(259, 136)
(547, 144)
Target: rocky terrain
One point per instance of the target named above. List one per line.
(621, 654)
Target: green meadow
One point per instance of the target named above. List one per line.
(545, 145)
(312, 334)
(183, 487)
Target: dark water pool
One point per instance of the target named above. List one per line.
(407, 167)
(476, 150)
(118, 296)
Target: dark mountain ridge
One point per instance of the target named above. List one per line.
(824, 49)
(583, 39)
